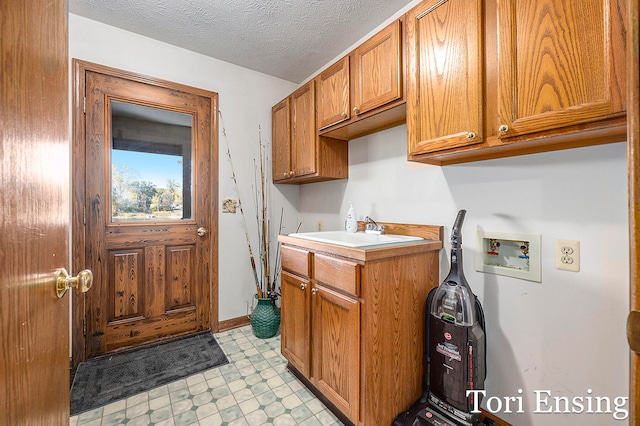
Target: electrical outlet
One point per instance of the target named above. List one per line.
(568, 255)
(319, 225)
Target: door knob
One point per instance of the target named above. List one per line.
(633, 331)
(202, 231)
(83, 281)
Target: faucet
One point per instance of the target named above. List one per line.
(372, 227)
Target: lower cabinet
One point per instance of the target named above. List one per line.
(336, 348)
(354, 329)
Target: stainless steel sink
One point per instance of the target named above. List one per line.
(357, 239)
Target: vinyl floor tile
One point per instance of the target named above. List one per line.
(254, 389)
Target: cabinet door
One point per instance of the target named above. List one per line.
(557, 64)
(377, 70)
(303, 130)
(295, 321)
(336, 348)
(444, 68)
(333, 94)
(281, 140)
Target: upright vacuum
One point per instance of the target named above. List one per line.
(455, 350)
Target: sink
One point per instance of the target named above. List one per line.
(357, 239)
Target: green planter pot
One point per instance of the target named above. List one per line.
(265, 318)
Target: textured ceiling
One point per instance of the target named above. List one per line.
(289, 39)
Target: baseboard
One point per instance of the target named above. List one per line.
(232, 323)
(499, 421)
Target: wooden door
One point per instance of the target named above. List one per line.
(633, 160)
(281, 140)
(336, 348)
(34, 230)
(303, 130)
(333, 94)
(377, 70)
(296, 316)
(561, 62)
(444, 67)
(152, 273)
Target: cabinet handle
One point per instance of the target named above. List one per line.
(303, 286)
(344, 114)
(356, 110)
(314, 291)
(471, 136)
(503, 128)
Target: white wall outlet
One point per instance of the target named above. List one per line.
(568, 255)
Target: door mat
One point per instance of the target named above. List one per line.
(101, 381)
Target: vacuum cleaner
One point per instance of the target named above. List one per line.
(455, 350)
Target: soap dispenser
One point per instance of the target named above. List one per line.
(352, 220)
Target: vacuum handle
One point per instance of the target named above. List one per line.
(456, 235)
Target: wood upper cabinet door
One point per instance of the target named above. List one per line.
(444, 68)
(377, 70)
(295, 322)
(281, 140)
(333, 94)
(303, 130)
(336, 348)
(561, 62)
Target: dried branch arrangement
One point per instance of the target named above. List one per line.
(265, 280)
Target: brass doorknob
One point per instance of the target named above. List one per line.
(83, 281)
(633, 331)
(202, 231)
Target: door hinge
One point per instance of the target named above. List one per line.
(84, 215)
(84, 105)
(84, 326)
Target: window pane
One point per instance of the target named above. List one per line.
(151, 155)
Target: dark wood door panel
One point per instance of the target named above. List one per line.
(153, 273)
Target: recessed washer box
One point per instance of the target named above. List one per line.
(511, 254)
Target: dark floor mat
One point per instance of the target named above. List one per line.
(101, 381)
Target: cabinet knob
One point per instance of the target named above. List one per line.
(314, 291)
(344, 114)
(471, 136)
(503, 128)
(292, 173)
(286, 174)
(356, 110)
(303, 286)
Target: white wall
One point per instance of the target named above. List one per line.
(245, 100)
(565, 334)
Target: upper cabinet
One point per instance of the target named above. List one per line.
(333, 94)
(561, 63)
(472, 80)
(495, 78)
(299, 154)
(445, 69)
(363, 92)
(377, 70)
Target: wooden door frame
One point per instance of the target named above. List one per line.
(633, 159)
(78, 196)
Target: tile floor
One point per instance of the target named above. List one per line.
(255, 388)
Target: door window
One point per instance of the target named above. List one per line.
(151, 154)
